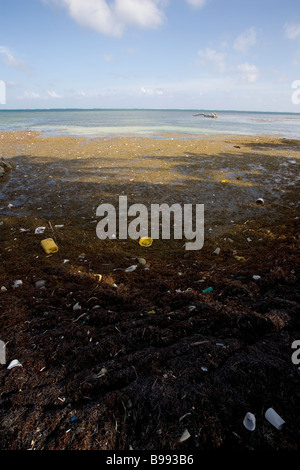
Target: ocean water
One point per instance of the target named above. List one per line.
(154, 123)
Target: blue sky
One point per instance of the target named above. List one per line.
(192, 54)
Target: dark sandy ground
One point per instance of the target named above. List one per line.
(148, 357)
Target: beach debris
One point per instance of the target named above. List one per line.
(260, 201)
(76, 306)
(217, 251)
(256, 277)
(17, 283)
(14, 363)
(224, 181)
(49, 246)
(240, 258)
(209, 289)
(141, 260)
(204, 368)
(39, 230)
(98, 277)
(3, 289)
(131, 268)
(40, 284)
(145, 241)
(10, 206)
(184, 436)
(274, 418)
(249, 421)
(58, 226)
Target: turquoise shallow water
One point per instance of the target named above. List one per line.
(98, 122)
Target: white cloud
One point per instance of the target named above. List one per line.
(247, 72)
(245, 40)
(53, 94)
(210, 56)
(10, 60)
(30, 95)
(151, 91)
(112, 17)
(292, 31)
(197, 3)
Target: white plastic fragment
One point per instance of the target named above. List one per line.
(274, 418)
(76, 306)
(14, 363)
(256, 277)
(260, 201)
(185, 435)
(39, 230)
(131, 268)
(40, 284)
(217, 251)
(3, 289)
(249, 421)
(17, 283)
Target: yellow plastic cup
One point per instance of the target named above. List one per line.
(146, 241)
(49, 246)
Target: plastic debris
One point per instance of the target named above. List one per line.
(40, 284)
(141, 261)
(76, 306)
(256, 277)
(98, 277)
(131, 268)
(260, 201)
(249, 421)
(274, 418)
(240, 258)
(217, 251)
(185, 435)
(49, 246)
(209, 289)
(39, 230)
(17, 283)
(3, 289)
(146, 241)
(14, 363)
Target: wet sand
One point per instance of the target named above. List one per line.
(149, 355)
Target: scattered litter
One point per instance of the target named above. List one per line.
(191, 308)
(185, 435)
(40, 284)
(24, 229)
(39, 230)
(249, 421)
(49, 246)
(256, 277)
(66, 261)
(98, 277)
(146, 241)
(131, 268)
(14, 363)
(17, 283)
(10, 206)
(76, 306)
(224, 181)
(58, 226)
(209, 289)
(3, 289)
(217, 251)
(141, 260)
(240, 258)
(274, 418)
(249, 239)
(260, 201)
(73, 419)
(205, 369)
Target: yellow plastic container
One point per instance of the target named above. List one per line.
(146, 241)
(49, 246)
